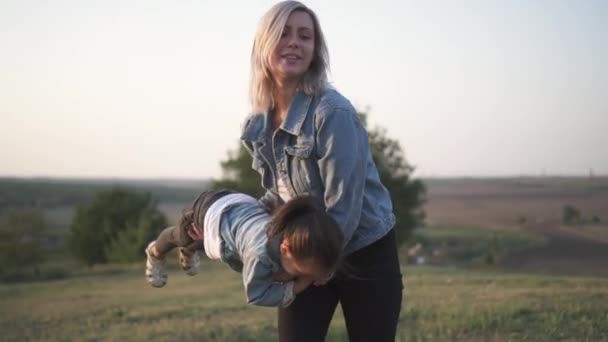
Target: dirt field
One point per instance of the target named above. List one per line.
(533, 205)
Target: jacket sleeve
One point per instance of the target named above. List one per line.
(259, 287)
(342, 150)
(270, 201)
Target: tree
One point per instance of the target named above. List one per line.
(115, 227)
(239, 175)
(407, 194)
(23, 236)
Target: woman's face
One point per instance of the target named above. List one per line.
(294, 52)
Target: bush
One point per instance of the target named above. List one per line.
(35, 274)
(23, 236)
(115, 227)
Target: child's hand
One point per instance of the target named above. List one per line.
(282, 277)
(323, 281)
(196, 233)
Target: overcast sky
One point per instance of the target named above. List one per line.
(146, 89)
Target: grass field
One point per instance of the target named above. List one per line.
(440, 304)
(500, 266)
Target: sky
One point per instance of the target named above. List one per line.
(158, 89)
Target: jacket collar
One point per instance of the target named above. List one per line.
(256, 128)
(296, 113)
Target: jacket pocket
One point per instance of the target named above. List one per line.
(300, 162)
(299, 151)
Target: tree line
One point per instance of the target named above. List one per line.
(53, 193)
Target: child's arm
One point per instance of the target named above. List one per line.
(261, 290)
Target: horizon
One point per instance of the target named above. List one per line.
(208, 179)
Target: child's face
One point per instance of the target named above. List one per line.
(300, 268)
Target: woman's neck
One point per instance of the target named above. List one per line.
(282, 95)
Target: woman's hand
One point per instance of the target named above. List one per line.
(323, 281)
(301, 283)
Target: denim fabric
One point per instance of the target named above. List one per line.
(246, 248)
(322, 149)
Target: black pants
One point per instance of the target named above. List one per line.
(369, 291)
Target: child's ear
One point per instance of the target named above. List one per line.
(285, 248)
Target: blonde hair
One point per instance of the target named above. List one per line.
(266, 39)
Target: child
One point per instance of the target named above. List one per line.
(279, 255)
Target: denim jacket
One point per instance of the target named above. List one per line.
(245, 247)
(322, 148)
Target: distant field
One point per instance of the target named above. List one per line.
(473, 246)
(440, 304)
(504, 203)
(529, 207)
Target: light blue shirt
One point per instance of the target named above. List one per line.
(246, 248)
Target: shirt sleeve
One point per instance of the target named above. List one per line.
(342, 151)
(260, 289)
(270, 201)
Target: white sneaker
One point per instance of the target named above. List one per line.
(189, 261)
(155, 274)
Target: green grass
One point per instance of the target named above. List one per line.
(440, 304)
(452, 304)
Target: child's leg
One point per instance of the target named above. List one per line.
(170, 238)
(195, 246)
(179, 237)
(189, 257)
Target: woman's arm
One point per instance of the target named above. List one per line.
(270, 201)
(342, 151)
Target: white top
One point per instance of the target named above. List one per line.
(212, 239)
(282, 190)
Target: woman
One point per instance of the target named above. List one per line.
(305, 137)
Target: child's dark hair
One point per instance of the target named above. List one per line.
(310, 231)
